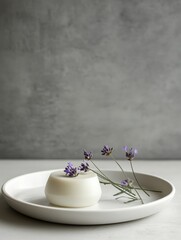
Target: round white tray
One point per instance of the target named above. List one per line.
(26, 195)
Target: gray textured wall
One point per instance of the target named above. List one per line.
(80, 74)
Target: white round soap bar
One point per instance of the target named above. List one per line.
(81, 191)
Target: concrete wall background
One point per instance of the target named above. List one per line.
(81, 74)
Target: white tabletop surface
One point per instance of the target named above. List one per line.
(164, 225)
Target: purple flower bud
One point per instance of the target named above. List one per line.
(106, 150)
(124, 183)
(70, 170)
(127, 183)
(84, 166)
(130, 152)
(88, 155)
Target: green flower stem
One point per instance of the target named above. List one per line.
(118, 165)
(111, 182)
(98, 169)
(137, 179)
(126, 178)
(115, 185)
(121, 169)
(139, 196)
(149, 190)
(132, 199)
(122, 190)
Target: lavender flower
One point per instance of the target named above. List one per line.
(84, 166)
(130, 152)
(106, 150)
(70, 170)
(126, 183)
(87, 155)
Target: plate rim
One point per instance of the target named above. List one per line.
(64, 209)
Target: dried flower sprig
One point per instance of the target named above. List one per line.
(125, 187)
(107, 151)
(126, 184)
(130, 154)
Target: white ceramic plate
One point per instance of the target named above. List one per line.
(26, 195)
